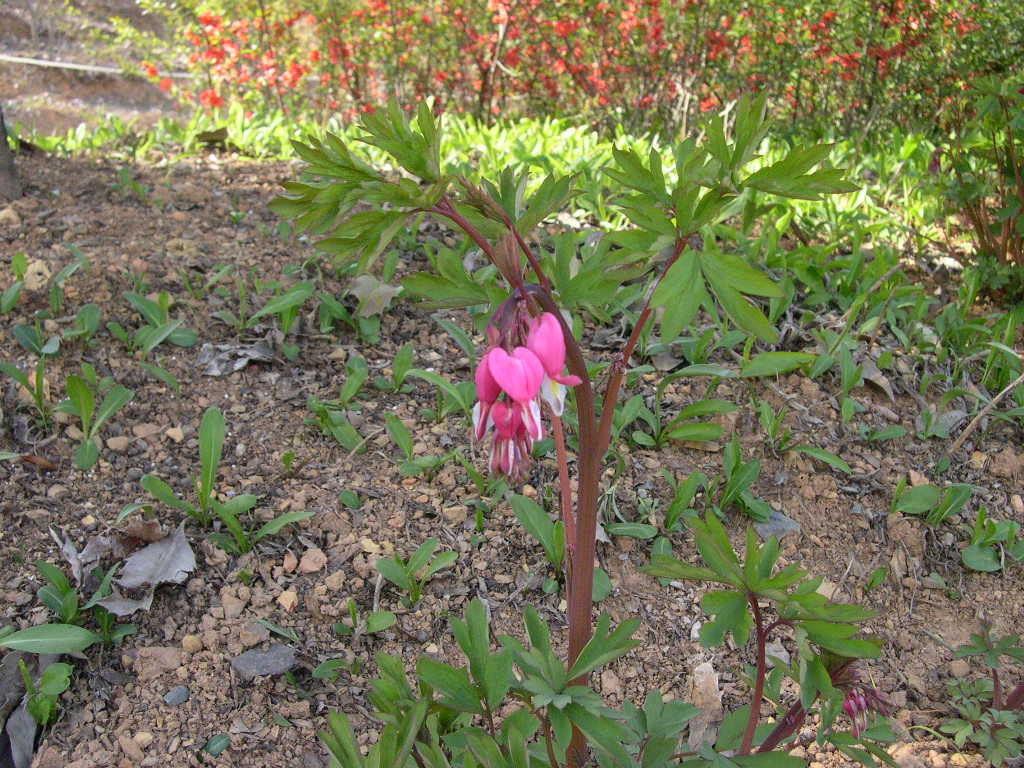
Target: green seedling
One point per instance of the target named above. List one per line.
(9, 298)
(490, 489)
(331, 311)
(934, 503)
(851, 376)
(378, 621)
(414, 466)
(286, 307)
(31, 339)
(350, 499)
(127, 186)
(450, 396)
(877, 578)
(34, 386)
(331, 669)
(334, 418)
(740, 476)
(199, 289)
(287, 633)
(893, 432)
(462, 339)
(158, 326)
(951, 592)
(683, 495)
(991, 543)
(550, 535)
(57, 283)
(161, 374)
(932, 425)
(241, 540)
(780, 439)
(647, 509)
(412, 576)
(240, 321)
(689, 423)
(290, 467)
(65, 603)
(400, 367)
(81, 402)
(42, 698)
(211, 441)
(356, 374)
(87, 322)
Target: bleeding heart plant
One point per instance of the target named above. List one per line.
(450, 719)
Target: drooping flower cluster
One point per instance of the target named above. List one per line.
(860, 701)
(511, 380)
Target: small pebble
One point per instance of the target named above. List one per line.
(176, 696)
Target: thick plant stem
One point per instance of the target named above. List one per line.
(446, 209)
(755, 703)
(580, 576)
(785, 728)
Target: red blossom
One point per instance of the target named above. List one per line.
(211, 99)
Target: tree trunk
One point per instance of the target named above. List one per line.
(10, 187)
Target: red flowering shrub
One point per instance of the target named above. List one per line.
(645, 63)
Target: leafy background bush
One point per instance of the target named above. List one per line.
(639, 64)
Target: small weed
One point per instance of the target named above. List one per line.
(42, 698)
(83, 392)
(412, 576)
(991, 714)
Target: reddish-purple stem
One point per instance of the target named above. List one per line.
(755, 703)
(785, 728)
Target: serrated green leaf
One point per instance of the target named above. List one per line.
(731, 614)
(453, 684)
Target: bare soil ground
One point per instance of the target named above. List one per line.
(115, 713)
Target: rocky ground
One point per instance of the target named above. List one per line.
(171, 686)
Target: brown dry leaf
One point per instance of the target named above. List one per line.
(872, 375)
(222, 359)
(38, 461)
(169, 560)
(145, 530)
